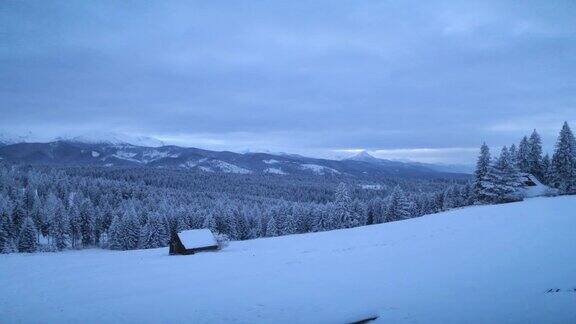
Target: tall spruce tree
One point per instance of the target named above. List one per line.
(534, 158)
(51, 205)
(18, 215)
(210, 223)
(522, 158)
(271, 230)
(7, 244)
(546, 170)
(154, 234)
(27, 241)
(564, 161)
(513, 154)
(398, 206)
(130, 229)
(503, 180)
(86, 222)
(59, 228)
(480, 175)
(114, 233)
(75, 227)
(343, 202)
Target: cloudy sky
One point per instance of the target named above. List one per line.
(422, 80)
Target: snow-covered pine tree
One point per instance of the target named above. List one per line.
(301, 217)
(564, 162)
(107, 214)
(34, 210)
(502, 181)
(358, 213)
(130, 229)
(285, 223)
(242, 224)
(287, 226)
(505, 179)
(547, 170)
(534, 158)
(210, 222)
(271, 230)
(448, 202)
(398, 207)
(75, 228)
(225, 220)
(173, 224)
(438, 202)
(98, 221)
(51, 204)
(375, 211)
(154, 233)
(27, 241)
(18, 215)
(322, 217)
(468, 194)
(6, 233)
(114, 233)
(59, 228)
(480, 175)
(343, 203)
(257, 228)
(522, 158)
(513, 154)
(86, 222)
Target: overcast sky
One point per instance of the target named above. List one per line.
(423, 80)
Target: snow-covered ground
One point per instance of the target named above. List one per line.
(489, 264)
(271, 161)
(318, 169)
(372, 186)
(274, 171)
(230, 168)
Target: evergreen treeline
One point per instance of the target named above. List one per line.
(60, 208)
(498, 180)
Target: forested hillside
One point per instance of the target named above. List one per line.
(55, 207)
(128, 208)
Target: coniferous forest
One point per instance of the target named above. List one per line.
(58, 208)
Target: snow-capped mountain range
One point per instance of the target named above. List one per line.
(8, 138)
(115, 150)
(114, 138)
(89, 138)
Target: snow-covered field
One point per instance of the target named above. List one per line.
(490, 264)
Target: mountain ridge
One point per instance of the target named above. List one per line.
(75, 153)
(364, 156)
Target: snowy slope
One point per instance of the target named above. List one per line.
(488, 264)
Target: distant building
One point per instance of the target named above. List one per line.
(192, 241)
(528, 180)
(532, 187)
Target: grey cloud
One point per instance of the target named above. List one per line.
(314, 76)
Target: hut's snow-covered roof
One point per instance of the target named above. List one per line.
(197, 238)
(537, 189)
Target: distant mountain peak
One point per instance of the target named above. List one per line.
(363, 156)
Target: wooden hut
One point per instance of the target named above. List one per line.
(192, 241)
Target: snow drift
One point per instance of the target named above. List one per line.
(512, 263)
